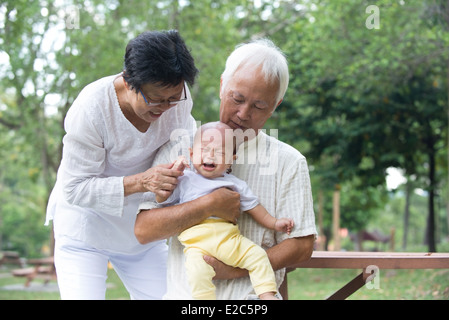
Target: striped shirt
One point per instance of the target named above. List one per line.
(278, 174)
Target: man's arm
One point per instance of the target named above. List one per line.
(162, 223)
(286, 254)
(291, 251)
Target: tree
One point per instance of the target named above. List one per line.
(51, 49)
(360, 100)
(371, 98)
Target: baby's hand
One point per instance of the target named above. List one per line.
(180, 164)
(284, 225)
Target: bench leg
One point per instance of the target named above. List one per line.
(352, 286)
(283, 289)
(30, 277)
(28, 281)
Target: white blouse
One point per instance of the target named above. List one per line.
(101, 147)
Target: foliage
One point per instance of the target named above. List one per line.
(371, 98)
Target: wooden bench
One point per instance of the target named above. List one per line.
(369, 263)
(11, 257)
(43, 268)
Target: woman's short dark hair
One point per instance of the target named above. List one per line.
(158, 57)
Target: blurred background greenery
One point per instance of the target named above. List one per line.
(368, 97)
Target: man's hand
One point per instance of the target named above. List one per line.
(288, 253)
(223, 271)
(162, 223)
(225, 204)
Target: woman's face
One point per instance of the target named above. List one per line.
(153, 93)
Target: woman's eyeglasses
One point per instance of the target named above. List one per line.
(150, 102)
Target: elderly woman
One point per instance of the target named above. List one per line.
(113, 131)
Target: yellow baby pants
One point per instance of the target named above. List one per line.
(222, 240)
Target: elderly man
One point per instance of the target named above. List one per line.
(252, 86)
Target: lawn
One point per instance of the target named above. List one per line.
(115, 289)
(304, 284)
(317, 284)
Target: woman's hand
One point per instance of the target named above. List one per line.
(179, 165)
(161, 180)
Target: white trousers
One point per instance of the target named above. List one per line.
(82, 271)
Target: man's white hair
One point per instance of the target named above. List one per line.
(264, 53)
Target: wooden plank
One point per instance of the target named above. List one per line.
(382, 260)
(25, 272)
(42, 261)
(43, 268)
(348, 289)
(10, 257)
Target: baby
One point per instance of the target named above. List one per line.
(212, 158)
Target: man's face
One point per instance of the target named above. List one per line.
(248, 100)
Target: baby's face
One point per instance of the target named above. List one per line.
(211, 158)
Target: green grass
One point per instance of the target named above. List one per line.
(317, 284)
(304, 284)
(115, 289)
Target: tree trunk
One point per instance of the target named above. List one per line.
(430, 230)
(321, 244)
(447, 203)
(408, 192)
(336, 218)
